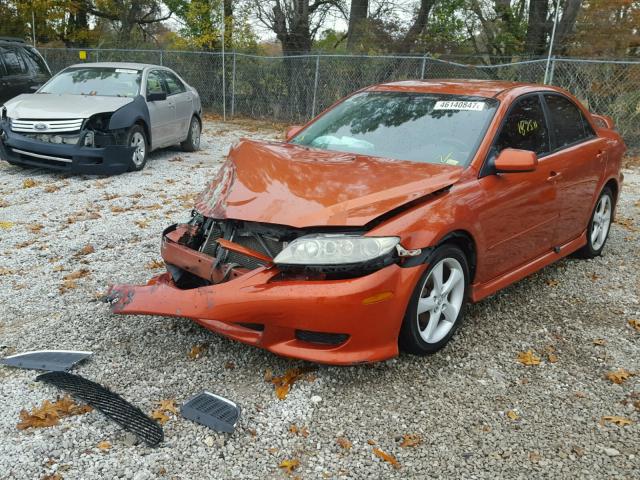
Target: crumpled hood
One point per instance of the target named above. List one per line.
(300, 187)
(46, 106)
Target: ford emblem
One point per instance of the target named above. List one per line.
(40, 126)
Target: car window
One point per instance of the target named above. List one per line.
(14, 63)
(95, 81)
(567, 121)
(38, 67)
(525, 128)
(173, 83)
(155, 83)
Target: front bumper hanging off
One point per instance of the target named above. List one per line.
(327, 321)
(22, 150)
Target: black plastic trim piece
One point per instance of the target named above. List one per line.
(51, 360)
(213, 411)
(112, 405)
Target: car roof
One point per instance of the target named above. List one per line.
(129, 65)
(480, 88)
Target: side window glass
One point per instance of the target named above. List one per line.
(13, 62)
(36, 62)
(568, 123)
(525, 128)
(154, 83)
(173, 83)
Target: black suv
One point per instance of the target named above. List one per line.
(22, 69)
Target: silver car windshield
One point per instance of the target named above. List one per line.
(426, 128)
(103, 81)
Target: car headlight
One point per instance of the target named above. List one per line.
(335, 249)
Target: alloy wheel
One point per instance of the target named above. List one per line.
(440, 300)
(195, 133)
(601, 222)
(138, 141)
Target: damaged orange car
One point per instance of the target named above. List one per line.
(369, 229)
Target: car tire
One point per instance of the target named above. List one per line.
(433, 316)
(599, 225)
(192, 143)
(136, 137)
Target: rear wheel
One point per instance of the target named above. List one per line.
(599, 225)
(437, 305)
(136, 138)
(192, 143)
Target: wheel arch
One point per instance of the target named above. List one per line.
(465, 241)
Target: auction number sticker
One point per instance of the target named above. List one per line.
(459, 105)
(126, 70)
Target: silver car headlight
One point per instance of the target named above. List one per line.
(335, 249)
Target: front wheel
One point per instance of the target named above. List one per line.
(137, 139)
(437, 305)
(599, 225)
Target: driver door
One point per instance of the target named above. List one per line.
(519, 211)
(161, 113)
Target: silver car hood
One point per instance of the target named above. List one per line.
(46, 106)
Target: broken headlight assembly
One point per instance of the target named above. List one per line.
(337, 252)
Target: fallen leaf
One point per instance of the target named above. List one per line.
(51, 188)
(552, 282)
(293, 428)
(283, 384)
(620, 421)
(6, 271)
(177, 158)
(626, 223)
(580, 394)
(29, 183)
(160, 416)
(579, 451)
(83, 272)
(142, 223)
(387, 458)
(528, 358)
(197, 351)
(635, 324)
(552, 358)
(512, 415)
(229, 365)
(534, 457)
(289, 465)
(50, 413)
(104, 445)
(344, 443)
(110, 196)
(35, 228)
(86, 250)
(410, 440)
(155, 264)
(168, 406)
(619, 376)
(599, 341)
(371, 442)
(53, 476)
(6, 225)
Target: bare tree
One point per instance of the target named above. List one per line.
(357, 18)
(419, 25)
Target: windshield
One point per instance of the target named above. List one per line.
(427, 128)
(107, 82)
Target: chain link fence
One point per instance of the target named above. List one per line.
(294, 89)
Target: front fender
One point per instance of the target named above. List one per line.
(130, 114)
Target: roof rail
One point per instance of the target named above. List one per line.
(13, 39)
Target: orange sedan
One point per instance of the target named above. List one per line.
(369, 229)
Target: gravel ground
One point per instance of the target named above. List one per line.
(478, 412)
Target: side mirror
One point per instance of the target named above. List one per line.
(292, 131)
(511, 160)
(156, 96)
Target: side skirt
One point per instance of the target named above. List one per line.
(483, 290)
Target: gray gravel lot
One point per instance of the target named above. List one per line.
(459, 402)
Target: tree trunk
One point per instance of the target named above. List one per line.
(228, 23)
(419, 25)
(357, 17)
(566, 23)
(537, 28)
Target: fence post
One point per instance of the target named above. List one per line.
(161, 59)
(97, 55)
(233, 86)
(424, 66)
(552, 70)
(315, 87)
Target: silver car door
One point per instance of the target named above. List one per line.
(183, 102)
(161, 111)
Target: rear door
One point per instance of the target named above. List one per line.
(38, 71)
(161, 112)
(182, 102)
(580, 157)
(518, 215)
(17, 79)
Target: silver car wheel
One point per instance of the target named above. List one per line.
(601, 222)
(440, 300)
(138, 141)
(195, 133)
